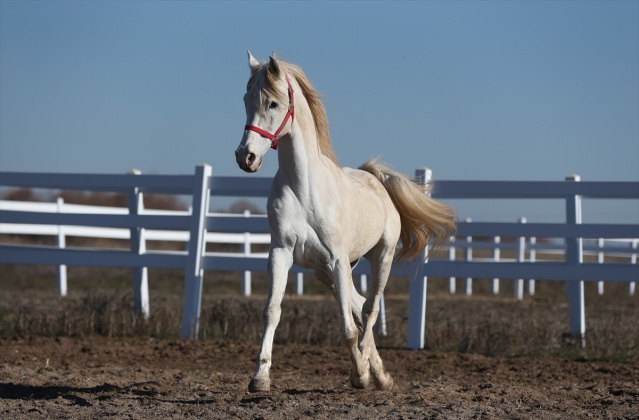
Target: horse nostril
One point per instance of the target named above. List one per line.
(250, 158)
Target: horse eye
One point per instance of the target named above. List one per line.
(272, 105)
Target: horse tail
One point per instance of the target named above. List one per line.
(424, 219)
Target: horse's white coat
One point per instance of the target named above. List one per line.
(322, 217)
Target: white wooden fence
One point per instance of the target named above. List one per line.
(200, 225)
(529, 249)
(245, 239)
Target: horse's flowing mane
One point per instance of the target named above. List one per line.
(263, 81)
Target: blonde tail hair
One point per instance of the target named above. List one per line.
(424, 219)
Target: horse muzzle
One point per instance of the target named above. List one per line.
(248, 162)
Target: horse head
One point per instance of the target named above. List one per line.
(267, 112)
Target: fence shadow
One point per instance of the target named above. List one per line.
(13, 391)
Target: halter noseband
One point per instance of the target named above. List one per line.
(290, 114)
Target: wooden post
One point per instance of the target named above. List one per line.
(633, 260)
(468, 283)
(299, 284)
(246, 284)
(380, 324)
(532, 256)
(600, 259)
(194, 272)
(496, 257)
(418, 287)
(574, 256)
(363, 284)
(452, 281)
(521, 257)
(138, 246)
(61, 243)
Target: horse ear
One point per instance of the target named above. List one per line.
(253, 63)
(274, 66)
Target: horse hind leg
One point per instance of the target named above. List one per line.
(370, 354)
(383, 380)
(367, 346)
(381, 262)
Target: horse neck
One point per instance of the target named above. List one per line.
(299, 155)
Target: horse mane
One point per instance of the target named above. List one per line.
(264, 81)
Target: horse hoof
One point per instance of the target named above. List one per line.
(360, 382)
(259, 385)
(385, 383)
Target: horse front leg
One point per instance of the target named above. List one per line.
(279, 262)
(343, 286)
(357, 300)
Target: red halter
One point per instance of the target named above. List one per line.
(290, 114)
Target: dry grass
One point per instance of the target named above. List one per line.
(100, 303)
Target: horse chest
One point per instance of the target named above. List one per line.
(316, 224)
(309, 237)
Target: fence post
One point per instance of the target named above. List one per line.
(574, 256)
(299, 283)
(532, 256)
(418, 287)
(452, 281)
(363, 284)
(468, 283)
(61, 243)
(380, 324)
(521, 257)
(600, 259)
(496, 257)
(246, 285)
(138, 246)
(633, 260)
(194, 271)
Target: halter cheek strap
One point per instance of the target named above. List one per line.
(290, 114)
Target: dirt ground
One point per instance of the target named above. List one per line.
(95, 377)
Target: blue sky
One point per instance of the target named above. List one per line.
(520, 90)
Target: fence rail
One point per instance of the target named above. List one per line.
(199, 226)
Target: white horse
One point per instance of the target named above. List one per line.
(325, 217)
